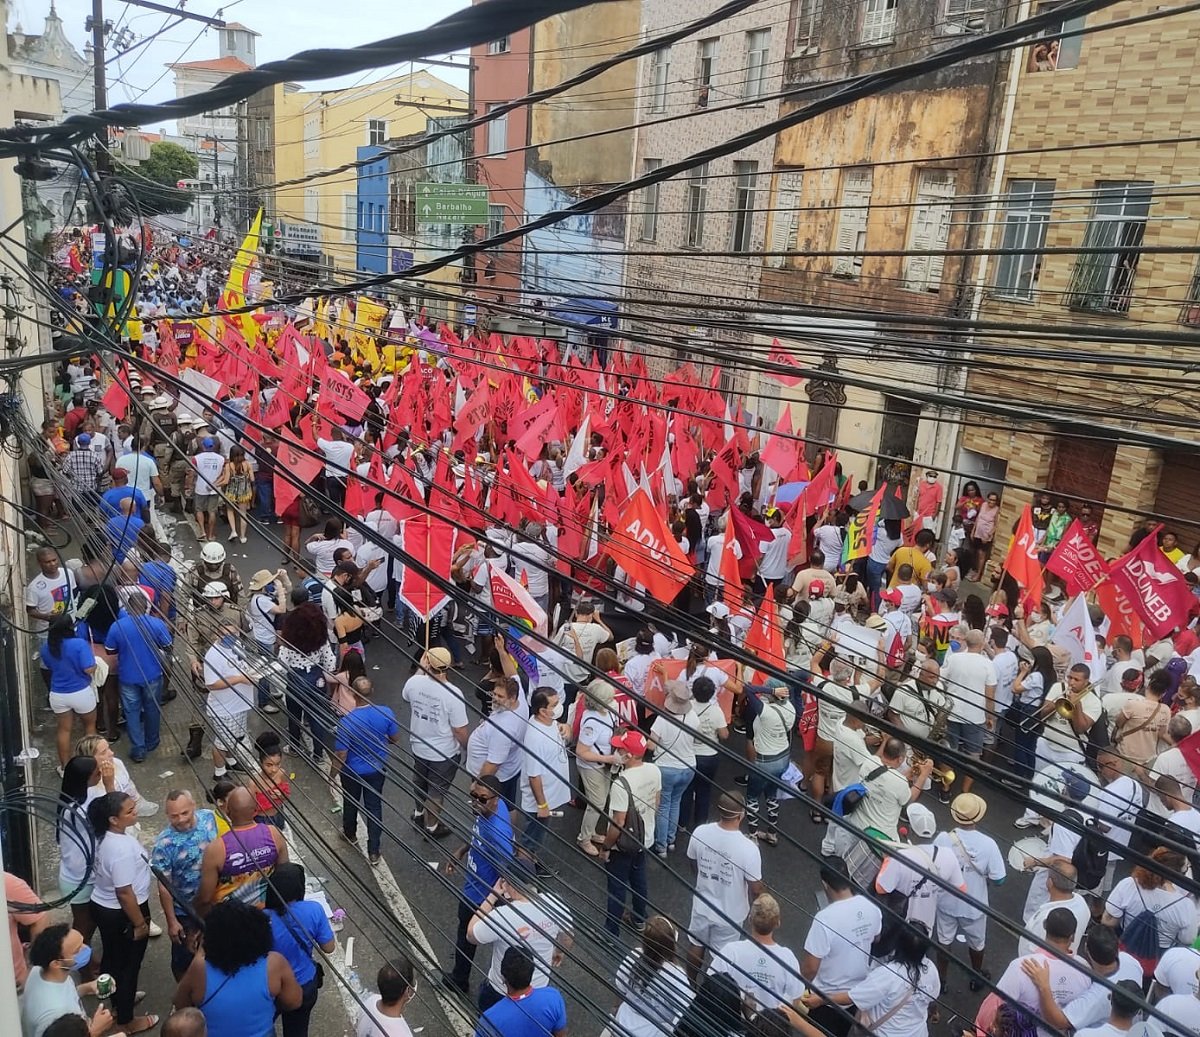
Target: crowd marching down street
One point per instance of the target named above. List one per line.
(638, 632)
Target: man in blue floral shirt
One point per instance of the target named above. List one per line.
(177, 854)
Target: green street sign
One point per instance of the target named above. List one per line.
(462, 204)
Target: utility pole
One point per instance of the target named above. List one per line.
(100, 86)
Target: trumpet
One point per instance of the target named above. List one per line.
(945, 776)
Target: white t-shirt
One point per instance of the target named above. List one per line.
(535, 924)
(262, 619)
(924, 895)
(338, 454)
(1036, 922)
(676, 745)
(120, 861)
(646, 783)
(1067, 982)
(654, 1009)
(51, 595)
(377, 578)
(208, 464)
(499, 740)
(849, 751)
(774, 563)
(323, 551)
(980, 860)
(372, 1023)
(841, 936)
(1005, 664)
(887, 795)
(967, 674)
(1177, 970)
(1117, 804)
(768, 975)
(711, 719)
(545, 757)
(595, 731)
(1173, 908)
(637, 670)
(222, 663)
(42, 1002)
(437, 710)
(531, 560)
(1171, 761)
(727, 861)
(590, 636)
(830, 713)
(1185, 1010)
(888, 985)
(1094, 1005)
(141, 468)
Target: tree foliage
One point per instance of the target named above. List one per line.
(154, 181)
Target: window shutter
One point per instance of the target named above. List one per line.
(785, 218)
(852, 221)
(930, 232)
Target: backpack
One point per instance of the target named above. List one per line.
(1097, 740)
(1090, 856)
(315, 588)
(632, 837)
(846, 800)
(1139, 936)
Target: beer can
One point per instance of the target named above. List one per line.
(106, 986)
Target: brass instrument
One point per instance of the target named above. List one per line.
(945, 776)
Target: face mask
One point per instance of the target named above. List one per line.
(931, 587)
(955, 646)
(1035, 617)
(269, 590)
(82, 957)
(931, 478)
(228, 641)
(558, 710)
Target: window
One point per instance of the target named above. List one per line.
(879, 22)
(964, 16)
(851, 235)
(1102, 282)
(697, 201)
(499, 46)
(312, 136)
(1051, 55)
(806, 19)
(262, 129)
(497, 131)
(745, 176)
(1026, 216)
(1190, 314)
(495, 224)
(785, 215)
(758, 46)
(231, 40)
(349, 216)
(706, 67)
(648, 231)
(660, 72)
(312, 205)
(929, 230)
(376, 132)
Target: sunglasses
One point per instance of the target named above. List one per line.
(479, 797)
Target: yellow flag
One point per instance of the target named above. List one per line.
(239, 278)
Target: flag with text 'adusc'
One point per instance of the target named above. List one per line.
(1154, 586)
(641, 543)
(1077, 561)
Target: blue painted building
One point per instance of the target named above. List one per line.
(371, 230)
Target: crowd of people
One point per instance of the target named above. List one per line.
(788, 661)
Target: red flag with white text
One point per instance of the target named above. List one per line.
(1077, 560)
(1022, 563)
(641, 543)
(1154, 586)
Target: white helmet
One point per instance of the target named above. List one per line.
(216, 589)
(212, 553)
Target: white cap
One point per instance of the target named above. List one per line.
(921, 820)
(718, 610)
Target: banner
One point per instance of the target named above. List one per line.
(860, 530)
(1074, 634)
(1077, 560)
(430, 543)
(641, 543)
(1154, 586)
(345, 397)
(1022, 562)
(292, 459)
(511, 599)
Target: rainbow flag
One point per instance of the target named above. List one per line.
(861, 530)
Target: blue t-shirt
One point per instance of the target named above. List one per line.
(363, 735)
(539, 1013)
(306, 920)
(110, 500)
(160, 577)
(67, 672)
(122, 532)
(133, 639)
(490, 852)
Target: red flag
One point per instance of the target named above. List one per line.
(779, 355)
(764, 639)
(724, 467)
(430, 544)
(730, 570)
(641, 543)
(293, 459)
(1122, 619)
(399, 503)
(1022, 562)
(1154, 586)
(751, 535)
(346, 397)
(812, 501)
(278, 410)
(783, 450)
(1077, 561)
(1190, 748)
(475, 414)
(116, 396)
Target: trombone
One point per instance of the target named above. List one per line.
(945, 776)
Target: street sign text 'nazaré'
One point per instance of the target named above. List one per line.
(463, 204)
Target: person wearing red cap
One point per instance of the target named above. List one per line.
(635, 790)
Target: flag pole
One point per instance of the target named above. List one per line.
(428, 585)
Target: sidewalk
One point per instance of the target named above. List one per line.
(328, 871)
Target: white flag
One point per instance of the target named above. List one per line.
(1074, 633)
(577, 455)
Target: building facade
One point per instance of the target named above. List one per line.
(1123, 204)
(53, 56)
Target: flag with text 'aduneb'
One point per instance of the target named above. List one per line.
(1154, 586)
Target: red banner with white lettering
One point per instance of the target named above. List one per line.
(642, 545)
(346, 397)
(1022, 562)
(1077, 560)
(1154, 586)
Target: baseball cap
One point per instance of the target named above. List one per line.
(1075, 785)
(892, 597)
(968, 808)
(816, 589)
(120, 473)
(437, 659)
(997, 609)
(83, 439)
(718, 610)
(921, 820)
(208, 442)
(631, 740)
